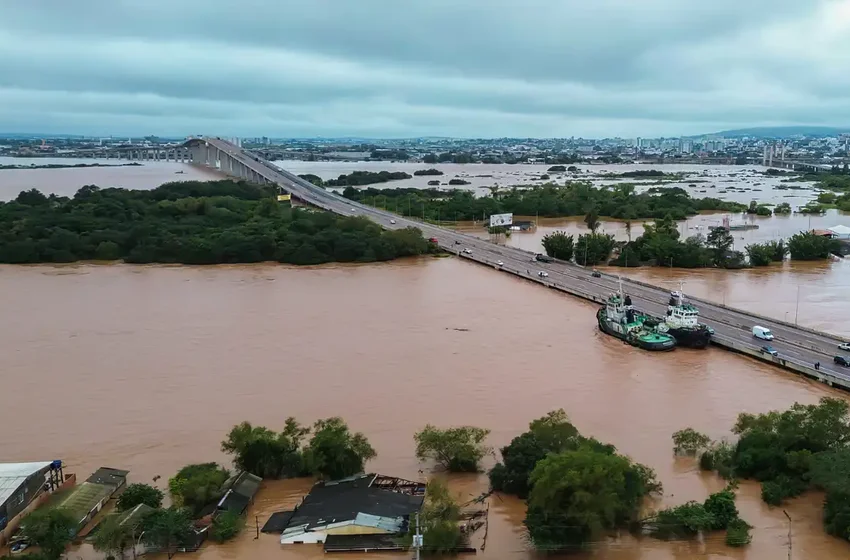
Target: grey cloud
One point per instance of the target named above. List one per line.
(381, 67)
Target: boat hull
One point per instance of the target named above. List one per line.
(691, 338)
(661, 346)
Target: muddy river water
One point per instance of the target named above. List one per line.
(147, 367)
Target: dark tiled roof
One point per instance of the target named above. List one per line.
(277, 522)
(337, 501)
(108, 477)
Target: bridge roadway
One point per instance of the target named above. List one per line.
(733, 327)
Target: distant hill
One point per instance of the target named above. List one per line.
(783, 131)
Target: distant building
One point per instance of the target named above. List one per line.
(839, 232)
(365, 504)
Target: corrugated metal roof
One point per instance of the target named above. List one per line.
(391, 524)
(12, 475)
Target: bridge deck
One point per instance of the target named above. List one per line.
(799, 348)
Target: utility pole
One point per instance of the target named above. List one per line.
(789, 533)
(797, 308)
(417, 538)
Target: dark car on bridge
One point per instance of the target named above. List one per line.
(769, 350)
(842, 361)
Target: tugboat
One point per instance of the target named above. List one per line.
(682, 323)
(618, 318)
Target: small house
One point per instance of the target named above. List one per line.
(365, 504)
(240, 492)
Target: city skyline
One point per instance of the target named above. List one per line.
(379, 69)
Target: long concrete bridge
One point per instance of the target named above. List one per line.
(799, 348)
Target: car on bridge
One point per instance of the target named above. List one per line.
(543, 274)
(467, 251)
(844, 346)
(500, 263)
(769, 350)
(596, 274)
(842, 361)
(392, 221)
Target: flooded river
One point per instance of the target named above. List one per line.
(147, 367)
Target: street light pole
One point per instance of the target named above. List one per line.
(797, 307)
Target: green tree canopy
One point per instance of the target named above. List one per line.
(266, 453)
(225, 526)
(690, 441)
(455, 449)
(51, 529)
(593, 248)
(552, 433)
(138, 493)
(167, 530)
(195, 486)
(559, 245)
(579, 495)
(808, 246)
(190, 222)
(334, 452)
(438, 520)
(112, 538)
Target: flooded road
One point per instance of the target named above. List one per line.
(147, 367)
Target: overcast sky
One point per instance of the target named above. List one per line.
(401, 68)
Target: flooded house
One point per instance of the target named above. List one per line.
(352, 508)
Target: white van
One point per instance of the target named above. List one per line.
(762, 333)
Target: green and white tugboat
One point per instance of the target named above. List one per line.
(619, 318)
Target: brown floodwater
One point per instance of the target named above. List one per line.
(147, 367)
(65, 182)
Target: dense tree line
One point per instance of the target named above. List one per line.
(356, 178)
(430, 171)
(332, 452)
(574, 199)
(189, 222)
(789, 452)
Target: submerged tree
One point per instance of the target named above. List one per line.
(195, 486)
(689, 442)
(455, 449)
(559, 245)
(579, 495)
(167, 530)
(334, 452)
(266, 453)
(438, 520)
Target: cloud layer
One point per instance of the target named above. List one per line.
(385, 68)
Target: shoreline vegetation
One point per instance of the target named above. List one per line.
(575, 198)
(659, 245)
(551, 466)
(790, 452)
(68, 165)
(191, 222)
